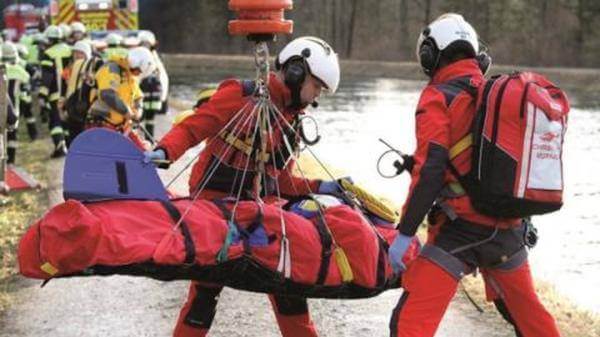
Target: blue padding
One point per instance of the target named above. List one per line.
(103, 164)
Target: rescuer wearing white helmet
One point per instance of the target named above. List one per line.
(304, 68)
(18, 80)
(115, 46)
(155, 87)
(53, 87)
(462, 238)
(119, 98)
(304, 61)
(78, 31)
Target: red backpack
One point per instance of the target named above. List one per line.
(517, 137)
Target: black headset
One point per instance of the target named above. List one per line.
(294, 74)
(430, 54)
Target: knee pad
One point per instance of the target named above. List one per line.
(290, 306)
(203, 309)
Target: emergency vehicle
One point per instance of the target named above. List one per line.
(20, 19)
(96, 14)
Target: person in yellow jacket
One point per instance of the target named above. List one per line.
(54, 60)
(119, 98)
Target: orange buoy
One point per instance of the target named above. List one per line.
(258, 17)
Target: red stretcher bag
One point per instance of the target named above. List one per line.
(251, 251)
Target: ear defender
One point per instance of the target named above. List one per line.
(485, 61)
(429, 54)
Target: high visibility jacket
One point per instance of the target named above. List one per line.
(443, 117)
(18, 82)
(118, 93)
(53, 62)
(114, 52)
(208, 123)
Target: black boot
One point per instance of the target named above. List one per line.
(32, 131)
(12, 154)
(60, 148)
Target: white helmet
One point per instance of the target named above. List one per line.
(113, 39)
(66, 30)
(78, 27)
(321, 59)
(147, 37)
(53, 32)
(9, 52)
(84, 47)
(141, 58)
(449, 29)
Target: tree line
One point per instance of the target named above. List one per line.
(526, 32)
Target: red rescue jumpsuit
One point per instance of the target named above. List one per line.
(209, 122)
(443, 117)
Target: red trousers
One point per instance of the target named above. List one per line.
(198, 312)
(428, 289)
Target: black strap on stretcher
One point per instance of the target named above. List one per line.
(190, 248)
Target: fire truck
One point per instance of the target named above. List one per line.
(96, 15)
(20, 19)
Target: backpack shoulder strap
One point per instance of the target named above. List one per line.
(452, 88)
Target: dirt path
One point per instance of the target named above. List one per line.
(129, 306)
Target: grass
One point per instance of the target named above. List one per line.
(572, 320)
(22, 209)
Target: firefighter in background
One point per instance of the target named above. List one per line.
(25, 96)
(81, 87)
(118, 101)
(66, 31)
(461, 239)
(78, 32)
(53, 62)
(114, 47)
(151, 86)
(17, 77)
(131, 42)
(148, 40)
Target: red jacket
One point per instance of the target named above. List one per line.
(443, 117)
(220, 115)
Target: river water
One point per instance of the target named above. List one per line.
(364, 110)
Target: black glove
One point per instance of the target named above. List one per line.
(408, 162)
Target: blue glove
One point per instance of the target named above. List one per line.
(332, 187)
(154, 156)
(397, 250)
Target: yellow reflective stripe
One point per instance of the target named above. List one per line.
(155, 105)
(30, 120)
(54, 97)
(456, 188)
(240, 145)
(57, 130)
(461, 146)
(46, 63)
(44, 91)
(49, 269)
(25, 98)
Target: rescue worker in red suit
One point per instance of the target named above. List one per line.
(460, 239)
(305, 67)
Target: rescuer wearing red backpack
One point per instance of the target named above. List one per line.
(306, 66)
(479, 168)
